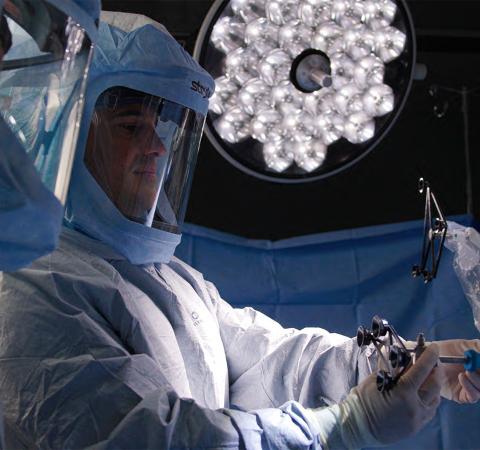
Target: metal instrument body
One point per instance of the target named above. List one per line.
(470, 360)
(391, 351)
(434, 234)
(395, 358)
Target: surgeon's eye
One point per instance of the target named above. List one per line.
(132, 127)
(128, 128)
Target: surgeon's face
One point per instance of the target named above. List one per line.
(123, 154)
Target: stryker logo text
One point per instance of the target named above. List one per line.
(204, 91)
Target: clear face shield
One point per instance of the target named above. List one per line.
(45, 57)
(142, 150)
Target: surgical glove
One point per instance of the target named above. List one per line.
(460, 386)
(368, 417)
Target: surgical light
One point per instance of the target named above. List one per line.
(305, 88)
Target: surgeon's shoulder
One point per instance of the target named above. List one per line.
(80, 255)
(71, 260)
(205, 288)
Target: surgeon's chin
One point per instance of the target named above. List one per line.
(138, 209)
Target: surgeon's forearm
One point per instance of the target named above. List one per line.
(183, 424)
(334, 371)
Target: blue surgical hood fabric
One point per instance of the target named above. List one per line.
(148, 60)
(85, 12)
(30, 215)
(338, 281)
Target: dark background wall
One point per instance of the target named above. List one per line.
(379, 189)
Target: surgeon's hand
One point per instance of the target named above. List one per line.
(368, 417)
(460, 386)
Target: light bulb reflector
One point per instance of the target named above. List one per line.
(233, 126)
(276, 157)
(280, 12)
(326, 102)
(240, 66)
(359, 128)
(315, 12)
(359, 42)
(311, 102)
(266, 126)
(348, 100)
(390, 43)
(261, 35)
(285, 93)
(343, 68)
(297, 125)
(379, 14)
(353, 14)
(227, 34)
(379, 100)
(255, 95)
(369, 71)
(223, 97)
(275, 67)
(310, 155)
(248, 10)
(329, 127)
(294, 37)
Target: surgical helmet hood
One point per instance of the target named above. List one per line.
(85, 12)
(30, 215)
(46, 48)
(147, 58)
(34, 14)
(145, 109)
(46, 53)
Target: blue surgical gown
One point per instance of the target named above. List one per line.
(98, 352)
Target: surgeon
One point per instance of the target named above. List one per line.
(45, 52)
(111, 342)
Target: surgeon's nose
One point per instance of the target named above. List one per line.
(155, 147)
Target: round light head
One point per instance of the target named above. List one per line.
(305, 88)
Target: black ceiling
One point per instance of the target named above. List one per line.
(379, 189)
